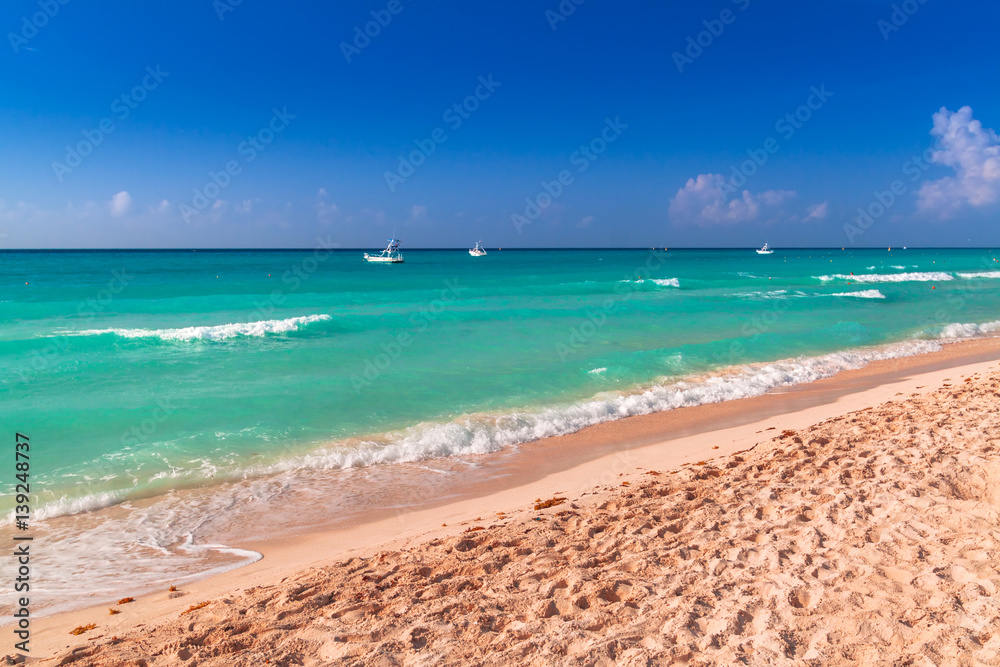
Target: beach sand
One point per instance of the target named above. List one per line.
(852, 521)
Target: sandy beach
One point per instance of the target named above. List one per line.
(850, 521)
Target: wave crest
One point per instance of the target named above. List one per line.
(959, 330)
(864, 294)
(666, 282)
(485, 434)
(981, 274)
(218, 332)
(922, 277)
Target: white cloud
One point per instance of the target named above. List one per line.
(704, 200)
(773, 197)
(245, 207)
(817, 211)
(974, 153)
(417, 211)
(219, 210)
(586, 222)
(120, 203)
(19, 212)
(322, 193)
(160, 208)
(326, 213)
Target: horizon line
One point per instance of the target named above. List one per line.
(497, 249)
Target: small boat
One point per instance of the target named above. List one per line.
(479, 250)
(390, 255)
(766, 250)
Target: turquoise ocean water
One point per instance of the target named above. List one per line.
(142, 375)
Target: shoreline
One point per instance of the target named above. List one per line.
(593, 457)
(616, 432)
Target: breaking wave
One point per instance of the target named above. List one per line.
(662, 282)
(485, 434)
(968, 330)
(666, 282)
(218, 332)
(864, 294)
(981, 274)
(891, 277)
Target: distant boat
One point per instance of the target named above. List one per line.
(766, 250)
(390, 255)
(479, 250)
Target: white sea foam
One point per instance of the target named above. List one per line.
(864, 294)
(776, 294)
(666, 282)
(928, 276)
(245, 555)
(218, 332)
(968, 330)
(484, 434)
(597, 371)
(141, 548)
(981, 274)
(781, 294)
(67, 506)
(662, 282)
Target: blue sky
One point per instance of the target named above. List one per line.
(249, 125)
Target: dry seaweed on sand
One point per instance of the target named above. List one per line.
(83, 628)
(551, 502)
(196, 607)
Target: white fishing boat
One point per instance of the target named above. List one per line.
(766, 250)
(390, 255)
(479, 250)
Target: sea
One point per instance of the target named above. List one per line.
(178, 401)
